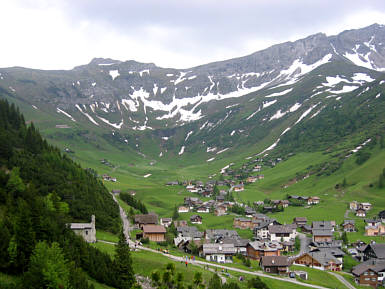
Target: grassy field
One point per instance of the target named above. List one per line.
(106, 236)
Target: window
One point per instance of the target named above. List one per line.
(267, 269)
(367, 279)
(86, 232)
(366, 273)
(371, 273)
(374, 279)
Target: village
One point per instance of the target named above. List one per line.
(278, 248)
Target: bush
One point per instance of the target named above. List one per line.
(145, 240)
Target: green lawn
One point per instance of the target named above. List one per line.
(106, 236)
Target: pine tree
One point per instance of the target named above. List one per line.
(123, 264)
(175, 215)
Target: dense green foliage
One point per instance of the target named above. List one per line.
(136, 204)
(41, 191)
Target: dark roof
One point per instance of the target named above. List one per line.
(322, 225)
(379, 250)
(322, 232)
(236, 242)
(323, 257)
(154, 229)
(221, 233)
(271, 261)
(271, 246)
(332, 244)
(276, 229)
(300, 219)
(332, 251)
(372, 264)
(347, 222)
(150, 218)
(219, 249)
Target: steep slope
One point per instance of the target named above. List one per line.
(208, 109)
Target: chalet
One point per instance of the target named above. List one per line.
(220, 210)
(196, 219)
(335, 252)
(261, 177)
(183, 209)
(259, 203)
(187, 234)
(252, 179)
(166, 222)
(378, 229)
(353, 205)
(323, 225)
(86, 230)
(288, 246)
(155, 233)
(322, 235)
(239, 244)
(192, 202)
(242, 223)
(331, 244)
(216, 235)
(284, 203)
(249, 212)
(319, 260)
(261, 229)
(300, 221)
(257, 249)
(220, 198)
(203, 209)
(282, 233)
(181, 223)
(349, 226)
(238, 188)
(313, 200)
(221, 253)
(370, 273)
(275, 264)
(374, 251)
(191, 189)
(146, 219)
(306, 229)
(361, 213)
(365, 206)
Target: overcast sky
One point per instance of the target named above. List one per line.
(61, 34)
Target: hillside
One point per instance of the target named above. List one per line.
(41, 191)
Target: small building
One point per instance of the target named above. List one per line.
(145, 219)
(365, 206)
(323, 225)
(220, 210)
(275, 264)
(370, 273)
(166, 222)
(196, 219)
(252, 179)
(353, 205)
(375, 230)
(242, 223)
(86, 230)
(319, 260)
(220, 253)
(203, 209)
(155, 233)
(300, 221)
(361, 213)
(374, 251)
(322, 235)
(257, 249)
(239, 188)
(183, 209)
(349, 226)
(313, 200)
(282, 233)
(217, 235)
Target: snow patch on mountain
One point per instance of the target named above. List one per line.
(305, 113)
(280, 93)
(65, 113)
(268, 103)
(188, 135)
(222, 151)
(181, 151)
(117, 126)
(114, 74)
(362, 77)
(254, 113)
(86, 114)
(278, 114)
(345, 89)
(210, 160)
(295, 107)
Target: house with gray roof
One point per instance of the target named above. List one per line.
(319, 260)
(374, 251)
(370, 272)
(282, 233)
(220, 253)
(86, 230)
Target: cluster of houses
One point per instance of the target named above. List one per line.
(109, 178)
(360, 209)
(308, 200)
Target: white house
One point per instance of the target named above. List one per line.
(221, 253)
(183, 209)
(284, 233)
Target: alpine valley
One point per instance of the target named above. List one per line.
(307, 117)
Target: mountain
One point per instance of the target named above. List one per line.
(210, 109)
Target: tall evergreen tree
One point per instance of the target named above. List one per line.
(123, 264)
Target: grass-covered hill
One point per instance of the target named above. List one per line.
(40, 192)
